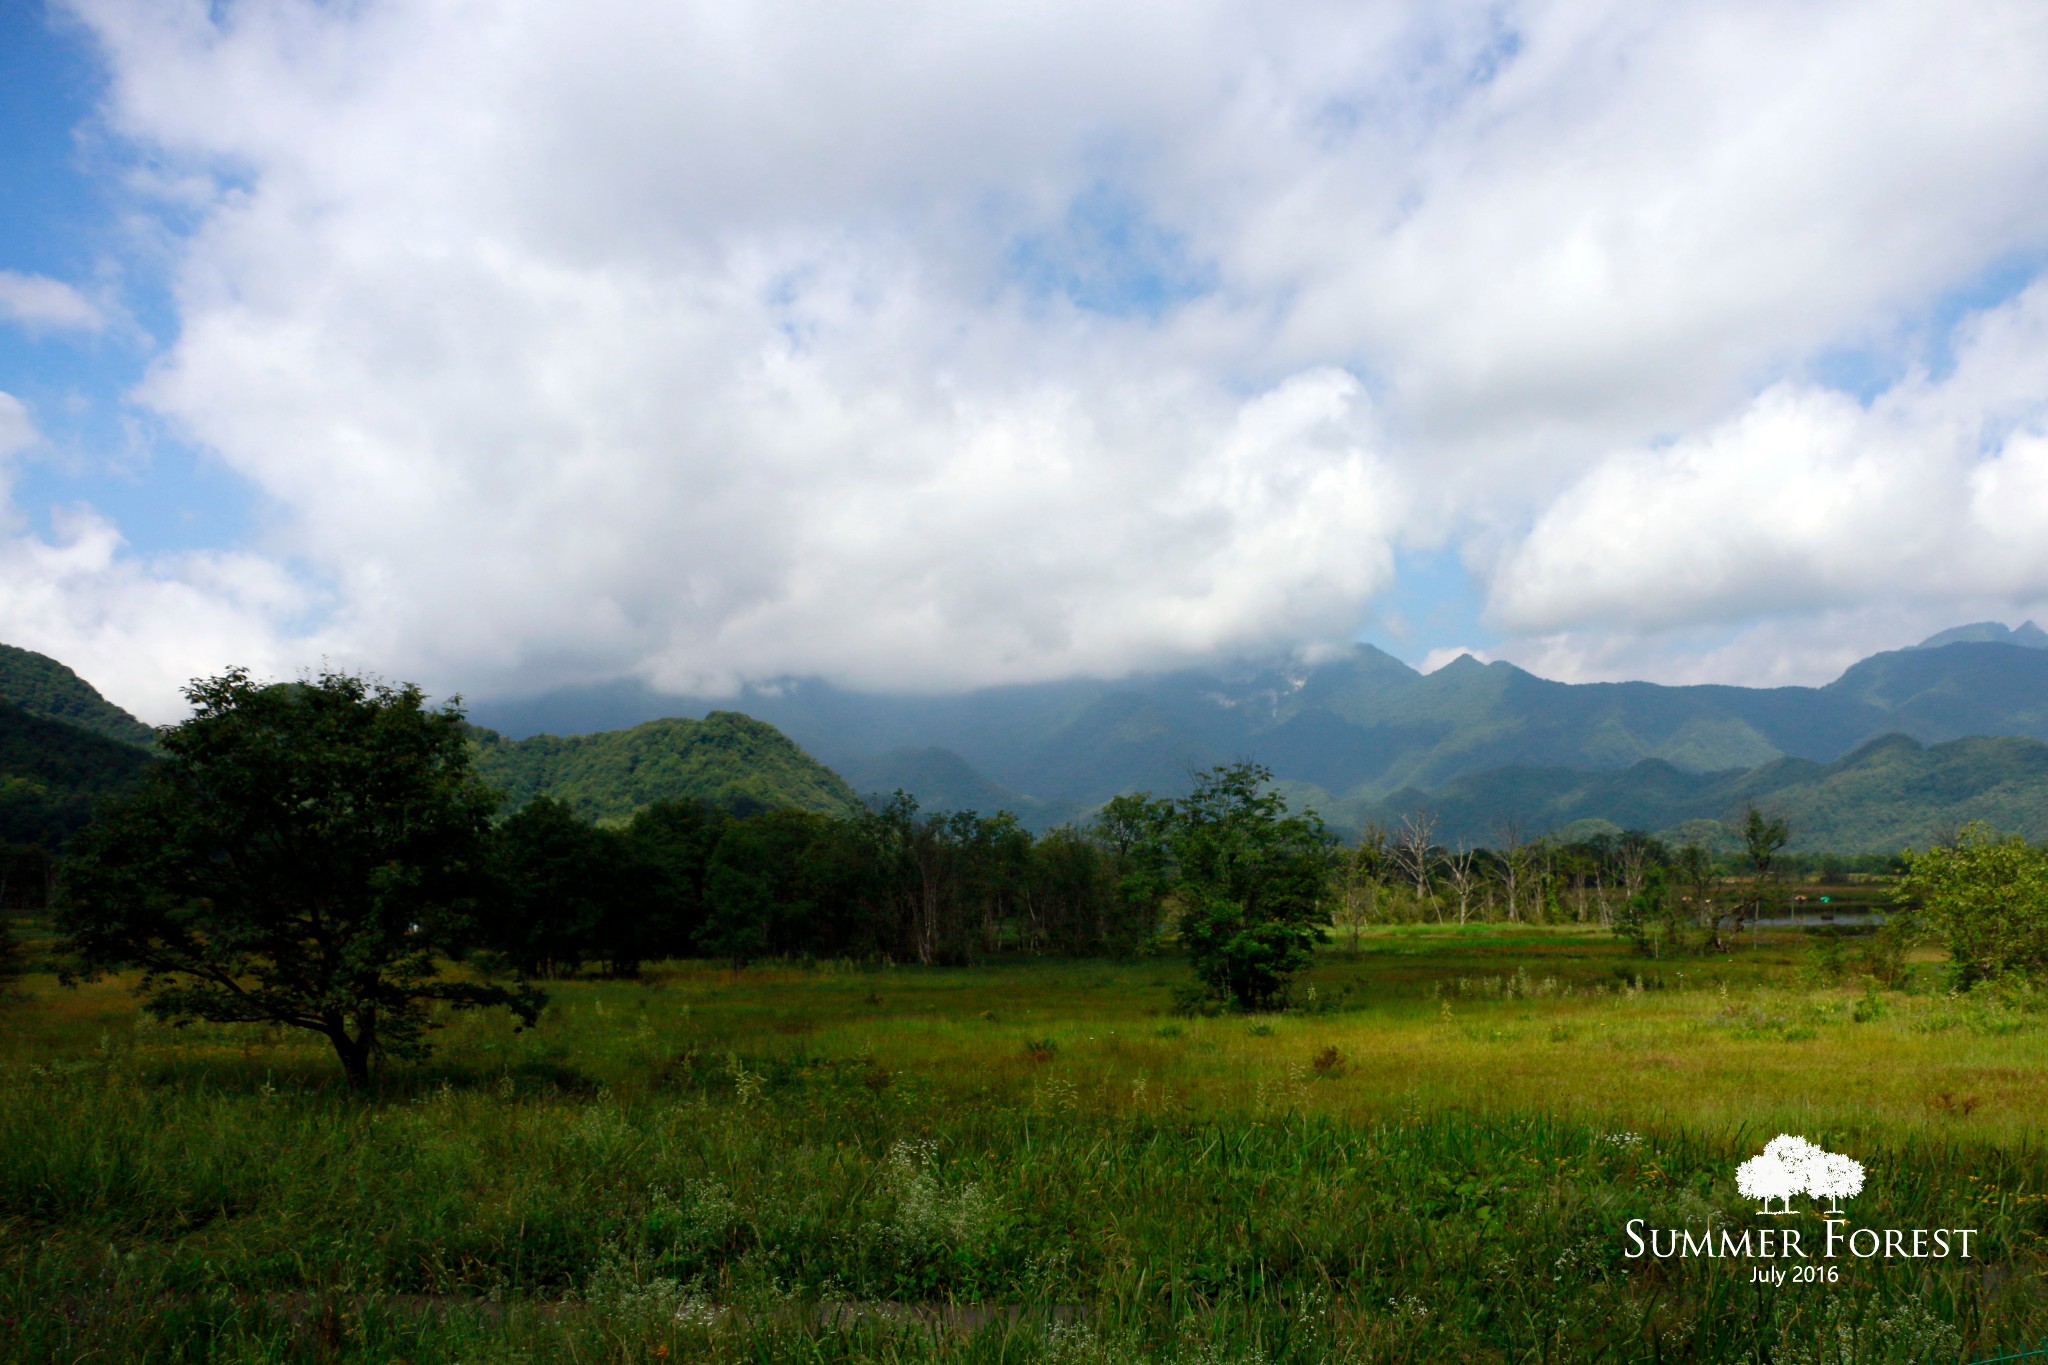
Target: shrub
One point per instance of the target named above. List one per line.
(1986, 899)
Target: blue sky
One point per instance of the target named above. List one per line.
(941, 348)
(62, 219)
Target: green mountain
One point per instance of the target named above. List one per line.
(43, 687)
(52, 773)
(727, 759)
(1359, 727)
(1886, 795)
(942, 780)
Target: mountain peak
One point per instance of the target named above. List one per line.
(2027, 636)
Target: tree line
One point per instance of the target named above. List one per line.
(1402, 875)
(687, 879)
(323, 855)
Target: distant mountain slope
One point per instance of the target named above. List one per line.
(727, 759)
(1955, 690)
(2025, 634)
(1888, 794)
(43, 687)
(51, 774)
(941, 779)
(1358, 727)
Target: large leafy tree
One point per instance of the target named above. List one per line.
(304, 855)
(1252, 879)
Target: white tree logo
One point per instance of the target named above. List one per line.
(1792, 1165)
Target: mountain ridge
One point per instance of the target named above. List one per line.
(1363, 726)
(42, 686)
(726, 759)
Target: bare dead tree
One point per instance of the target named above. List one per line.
(1514, 862)
(1412, 843)
(1632, 861)
(1464, 877)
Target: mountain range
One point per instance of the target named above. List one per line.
(1364, 736)
(1902, 746)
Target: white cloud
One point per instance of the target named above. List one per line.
(1933, 494)
(691, 341)
(139, 630)
(38, 302)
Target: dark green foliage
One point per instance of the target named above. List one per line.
(772, 884)
(51, 774)
(1137, 832)
(43, 687)
(568, 891)
(25, 874)
(944, 886)
(1251, 879)
(686, 878)
(726, 759)
(1085, 894)
(676, 840)
(301, 857)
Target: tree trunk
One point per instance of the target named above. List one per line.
(355, 1052)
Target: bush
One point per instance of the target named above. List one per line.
(1986, 899)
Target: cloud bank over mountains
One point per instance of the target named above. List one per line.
(934, 346)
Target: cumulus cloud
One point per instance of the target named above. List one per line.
(939, 345)
(1933, 492)
(140, 630)
(38, 302)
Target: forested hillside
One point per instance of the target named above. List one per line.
(51, 774)
(1890, 794)
(727, 760)
(44, 687)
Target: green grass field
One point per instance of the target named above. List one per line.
(1432, 1158)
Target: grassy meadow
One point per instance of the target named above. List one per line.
(1432, 1157)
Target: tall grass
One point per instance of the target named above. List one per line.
(1032, 1163)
